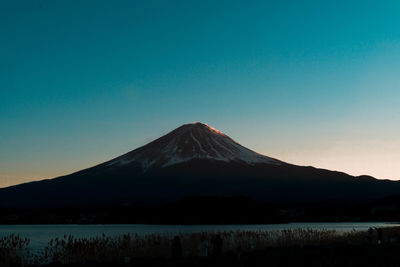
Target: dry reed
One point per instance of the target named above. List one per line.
(69, 250)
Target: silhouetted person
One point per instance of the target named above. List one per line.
(370, 233)
(380, 235)
(217, 246)
(203, 246)
(176, 248)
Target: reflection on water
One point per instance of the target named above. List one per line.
(40, 235)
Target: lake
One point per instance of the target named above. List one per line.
(40, 235)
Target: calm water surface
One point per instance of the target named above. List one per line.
(40, 235)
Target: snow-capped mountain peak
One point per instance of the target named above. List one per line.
(189, 142)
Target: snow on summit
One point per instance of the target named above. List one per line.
(188, 142)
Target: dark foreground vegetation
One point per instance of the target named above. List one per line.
(378, 247)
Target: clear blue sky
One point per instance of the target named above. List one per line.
(308, 82)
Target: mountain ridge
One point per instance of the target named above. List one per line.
(195, 160)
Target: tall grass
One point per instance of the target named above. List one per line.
(14, 251)
(68, 249)
(111, 249)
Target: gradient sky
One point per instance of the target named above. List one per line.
(308, 82)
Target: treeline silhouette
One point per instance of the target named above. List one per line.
(207, 210)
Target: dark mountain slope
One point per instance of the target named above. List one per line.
(195, 160)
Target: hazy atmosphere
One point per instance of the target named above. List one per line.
(310, 82)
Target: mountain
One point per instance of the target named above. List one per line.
(195, 160)
(190, 142)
